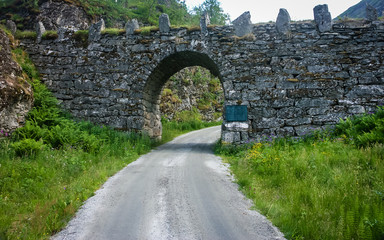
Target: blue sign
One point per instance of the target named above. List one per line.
(236, 113)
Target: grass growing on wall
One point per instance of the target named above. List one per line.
(323, 186)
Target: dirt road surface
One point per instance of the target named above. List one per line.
(180, 190)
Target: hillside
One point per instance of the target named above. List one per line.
(114, 13)
(358, 10)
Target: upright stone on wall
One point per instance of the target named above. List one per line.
(371, 13)
(131, 26)
(95, 31)
(40, 30)
(283, 21)
(204, 22)
(323, 18)
(243, 24)
(164, 24)
(11, 25)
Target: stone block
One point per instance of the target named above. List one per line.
(131, 26)
(323, 18)
(230, 137)
(40, 30)
(243, 24)
(164, 24)
(204, 22)
(235, 126)
(283, 21)
(11, 25)
(298, 121)
(371, 13)
(95, 31)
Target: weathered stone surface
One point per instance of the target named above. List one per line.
(95, 31)
(16, 96)
(289, 85)
(323, 18)
(131, 26)
(243, 24)
(11, 25)
(65, 32)
(56, 14)
(371, 13)
(204, 22)
(283, 21)
(40, 30)
(164, 24)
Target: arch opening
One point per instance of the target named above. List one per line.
(160, 75)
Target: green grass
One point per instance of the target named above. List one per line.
(322, 186)
(49, 167)
(113, 31)
(50, 35)
(172, 129)
(26, 35)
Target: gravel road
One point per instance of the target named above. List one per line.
(178, 191)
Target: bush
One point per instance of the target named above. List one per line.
(28, 147)
(363, 130)
(188, 116)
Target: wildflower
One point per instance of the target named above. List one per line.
(1, 131)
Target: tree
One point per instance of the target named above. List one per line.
(214, 10)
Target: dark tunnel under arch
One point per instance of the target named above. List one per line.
(160, 75)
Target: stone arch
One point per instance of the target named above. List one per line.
(160, 75)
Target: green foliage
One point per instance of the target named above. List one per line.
(81, 35)
(214, 10)
(26, 35)
(318, 186)
(50, 35)
(113, 31)
(364, 130)
(28, 147)
(188, 116)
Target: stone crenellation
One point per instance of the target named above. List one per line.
(290, 80)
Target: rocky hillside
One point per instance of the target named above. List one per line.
(16, 96)
(80, 13)
(358, 10)
(192, 92)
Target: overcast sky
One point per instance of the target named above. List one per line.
(267, 10)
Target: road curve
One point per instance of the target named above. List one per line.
(178, 191)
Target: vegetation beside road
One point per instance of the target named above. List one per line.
(49, 167)
(325, 185)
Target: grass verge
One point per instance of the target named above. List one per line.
(49, 167)
(322, 186)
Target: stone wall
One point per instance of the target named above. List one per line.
(290, 82)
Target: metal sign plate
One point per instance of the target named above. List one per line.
(236, 113)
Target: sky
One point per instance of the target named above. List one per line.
(267, 10)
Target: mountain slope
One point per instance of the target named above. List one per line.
(115, 13)
(358, 10)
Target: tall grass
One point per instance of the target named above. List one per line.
(323, 186)
(49, 167)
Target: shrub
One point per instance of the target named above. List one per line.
(28, 147)
(188, 116)
(363, 130)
